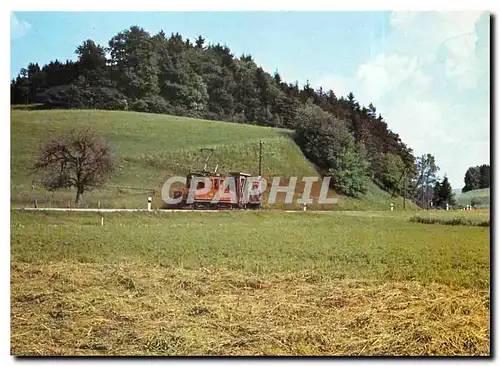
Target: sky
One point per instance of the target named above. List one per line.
(427, 73)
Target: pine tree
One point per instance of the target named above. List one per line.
(446, 193)
(200, 42)
(91, 64)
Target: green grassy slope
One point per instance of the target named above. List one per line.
(480, 195)
(152, 148)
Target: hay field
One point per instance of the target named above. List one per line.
(248, 283)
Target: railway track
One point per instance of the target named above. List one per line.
(62, 209)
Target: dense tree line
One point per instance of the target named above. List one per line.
(168, 74)
(477, 177)
(443, 194)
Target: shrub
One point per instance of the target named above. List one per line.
(349, 173)
(106, 98)
(139, 105)
(72, 96)
(157, 104)
(449, 221)
(65, 96)
(152, 104)
(327, 142)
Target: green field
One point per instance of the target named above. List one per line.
(388, 247)
(248, 283)
(481, 198)
(151, 148)
(359, 280)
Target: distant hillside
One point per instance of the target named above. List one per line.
(478, 198)
(172, 75)
(153, 147)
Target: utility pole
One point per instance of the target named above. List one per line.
(423, 204)
(260, 158)
(422, 169)
(404, 190)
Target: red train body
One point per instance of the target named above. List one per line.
(211, 190)
(236, 190)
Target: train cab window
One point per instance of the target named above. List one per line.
(200, 185)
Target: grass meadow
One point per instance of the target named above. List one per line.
(249, 283)
(478, 197)
(151, 148)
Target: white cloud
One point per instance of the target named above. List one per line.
(442, 129)
(426, 85)
(400, 19)
(384, 73)
(425, 34)
(461, 63)
(420, 80)
(18, 27)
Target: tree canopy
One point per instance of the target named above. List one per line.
(78, 159)
(477, 177)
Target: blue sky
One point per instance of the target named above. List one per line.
(427, 73)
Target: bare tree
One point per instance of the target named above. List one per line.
(79, 159)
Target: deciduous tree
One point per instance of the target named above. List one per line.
(78, 159)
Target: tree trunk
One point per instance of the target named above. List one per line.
(78, 195)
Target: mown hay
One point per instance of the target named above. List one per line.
(139, 309)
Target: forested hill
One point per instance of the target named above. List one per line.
(168, 74)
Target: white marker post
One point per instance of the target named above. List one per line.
(447, 207)
(102, 221)
(149, 203)
(392, 206)
(305, 207)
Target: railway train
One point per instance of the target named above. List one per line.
(236, 190)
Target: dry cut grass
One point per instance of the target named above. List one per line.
(69, 308)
